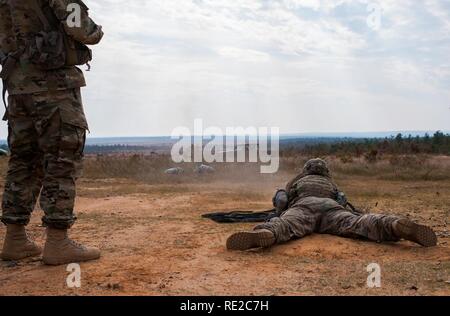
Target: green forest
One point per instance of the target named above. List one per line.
(438, 144)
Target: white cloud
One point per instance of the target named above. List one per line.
(243, 55)
(303, 65)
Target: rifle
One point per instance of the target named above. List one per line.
(242, 216)
(258, 216)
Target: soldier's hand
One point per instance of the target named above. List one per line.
(96, 36)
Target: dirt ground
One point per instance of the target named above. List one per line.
(154, 242)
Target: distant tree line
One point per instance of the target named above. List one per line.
(109, 149)
(439, 143)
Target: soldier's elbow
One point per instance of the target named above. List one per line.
(84, 36)
(95, 37)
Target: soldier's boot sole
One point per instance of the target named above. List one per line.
(57, 261)
(249, 240)
(66, 256)
(420, 234)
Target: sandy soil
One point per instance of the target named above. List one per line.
(154, 242)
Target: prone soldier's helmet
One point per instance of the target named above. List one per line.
(316, 166)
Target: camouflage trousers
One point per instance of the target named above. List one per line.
(326, 216)
(46, 136)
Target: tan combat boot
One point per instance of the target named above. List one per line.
(18, 245)
(420, 234)
(261, 238)
(59, 249)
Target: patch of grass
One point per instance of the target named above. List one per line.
(149, 169)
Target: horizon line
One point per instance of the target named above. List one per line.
(298, 134)
(393, 133)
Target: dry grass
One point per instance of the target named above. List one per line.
(149, 169)
(400, 167)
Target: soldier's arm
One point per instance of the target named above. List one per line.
(7, 42)
(88, 32)
(341, 197)
(281, 201)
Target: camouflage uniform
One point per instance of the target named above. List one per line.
(46, 121)
(313, 209)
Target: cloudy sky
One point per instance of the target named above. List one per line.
(301, 65)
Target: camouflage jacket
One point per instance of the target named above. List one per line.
(7, 40)
(19, 23)
(312, 185)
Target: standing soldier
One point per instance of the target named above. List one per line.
(41, 42)
(312, 203)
